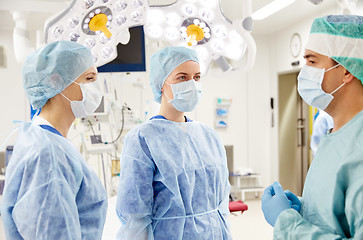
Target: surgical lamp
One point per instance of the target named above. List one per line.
(98, 24)
(199, 24)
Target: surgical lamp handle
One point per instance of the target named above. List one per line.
(250, 46)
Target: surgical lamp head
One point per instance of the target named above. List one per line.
(52, 68)
(163, 62)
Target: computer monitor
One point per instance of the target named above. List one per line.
(130, 57)
(101, 110)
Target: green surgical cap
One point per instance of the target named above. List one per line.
(339, 37)
(163, 62)
(52, 68)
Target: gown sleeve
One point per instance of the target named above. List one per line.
(226, 186)
(135, 194)
(45, 207)
(291, 225)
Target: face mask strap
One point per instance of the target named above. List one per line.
(65, 97)
(167, 96)
(333, 67)
(165, 92)
(337, 89)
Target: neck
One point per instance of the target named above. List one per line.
(169, 112)
(59, 115)
(346, 105)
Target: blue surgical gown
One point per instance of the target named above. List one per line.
(332, 200)
(322, 124)
(173, 183)
(50, 192)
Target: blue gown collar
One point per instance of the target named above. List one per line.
(50, 129)
(162, 117)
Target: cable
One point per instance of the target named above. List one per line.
(120, 133)
(104, 172)
(123, 123)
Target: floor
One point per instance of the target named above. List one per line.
(249, 225)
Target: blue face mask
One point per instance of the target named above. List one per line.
(186, 95)
(309, 87)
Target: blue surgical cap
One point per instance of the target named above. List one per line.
(52, 68)
(339, 37)
(163, 62)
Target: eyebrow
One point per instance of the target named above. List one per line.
(183, 73)
(91, 73)
(309, 56)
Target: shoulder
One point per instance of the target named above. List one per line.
(150, 128)
(206, 129)
(39, 148)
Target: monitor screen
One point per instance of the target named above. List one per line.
(96, 139)
(130, 57)
(101, 107)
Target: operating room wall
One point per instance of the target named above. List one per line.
(13, 100)
(248, 129)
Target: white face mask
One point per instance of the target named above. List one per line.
(91, 100)
(186, 95)
(310, 89)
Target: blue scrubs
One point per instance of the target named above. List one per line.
(332, 201)
(50, 192)
(173, 183)
(322, 124)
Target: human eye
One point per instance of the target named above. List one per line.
(182, 78)
(311, 62)
(197, 78)
(91, 78)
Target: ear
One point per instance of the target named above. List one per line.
(348, 77)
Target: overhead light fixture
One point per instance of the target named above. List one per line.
(270, 9)
(199, 24)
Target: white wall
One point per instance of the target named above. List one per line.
(13, 100)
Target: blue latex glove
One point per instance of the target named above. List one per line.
(274, 201)
(294, 200)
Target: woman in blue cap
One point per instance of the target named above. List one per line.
(331, 206)
(174, 176)
(50, 192)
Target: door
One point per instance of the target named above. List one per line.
(293, 134)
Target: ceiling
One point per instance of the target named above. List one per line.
(297, 11)
(40, 10)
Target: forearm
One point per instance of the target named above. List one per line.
(291, 225)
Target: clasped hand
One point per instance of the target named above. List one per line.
(275, 201)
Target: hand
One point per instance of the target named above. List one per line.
(274, 201)
(294, 200)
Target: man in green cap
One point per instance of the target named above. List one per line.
(331, 206)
